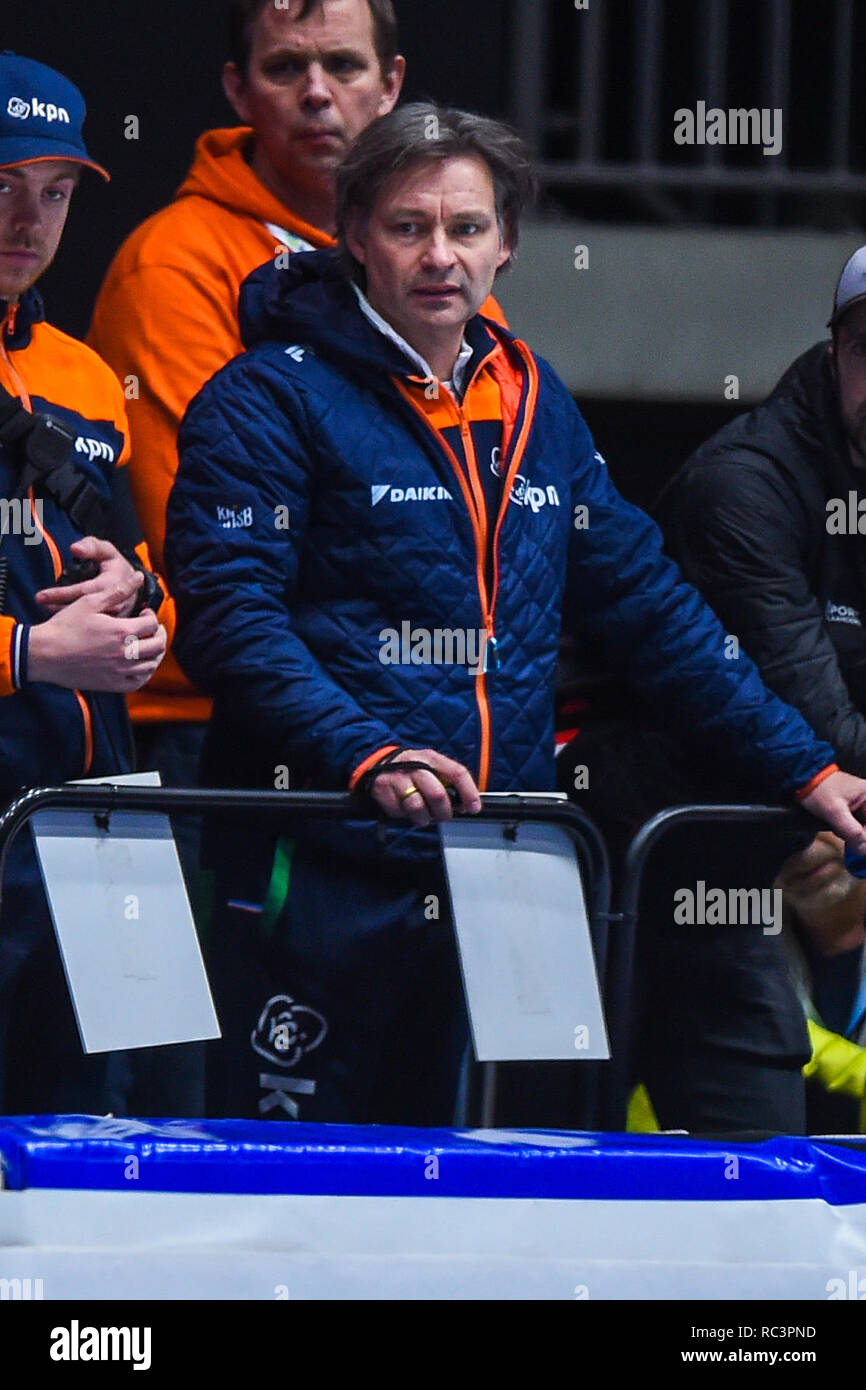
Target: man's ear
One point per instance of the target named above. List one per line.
(393, 84)
(356, 240)
(235, 88)
(506, 249)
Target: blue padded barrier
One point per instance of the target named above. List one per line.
(265, 1157)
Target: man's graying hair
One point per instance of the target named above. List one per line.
(420, 131)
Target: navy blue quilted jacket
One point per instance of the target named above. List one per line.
(315, 510)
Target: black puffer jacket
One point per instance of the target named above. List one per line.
(747, 519)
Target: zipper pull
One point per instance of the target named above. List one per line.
(491, 656)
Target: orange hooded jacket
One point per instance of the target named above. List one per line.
(50, 372)
(166, 320)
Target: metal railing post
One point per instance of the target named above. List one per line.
(620, 992)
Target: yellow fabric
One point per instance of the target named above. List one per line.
(838, 1064)
(641, 1118)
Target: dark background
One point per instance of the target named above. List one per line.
(160, 60)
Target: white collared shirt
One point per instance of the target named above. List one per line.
(455, 385)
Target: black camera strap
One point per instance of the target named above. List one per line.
(44, 447)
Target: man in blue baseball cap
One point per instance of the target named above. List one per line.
(82, 618)
(41, 114)
(41, 153)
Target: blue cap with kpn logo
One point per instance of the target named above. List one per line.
(41, 115)
(851, 288)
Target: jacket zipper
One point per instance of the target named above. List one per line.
(8, 326)
(473, 496)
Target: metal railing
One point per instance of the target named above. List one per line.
(595, 90)
(604, 1096)
(620, 979)
(509, 810)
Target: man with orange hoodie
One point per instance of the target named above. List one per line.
(304, 79)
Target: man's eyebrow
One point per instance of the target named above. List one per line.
(287, 50)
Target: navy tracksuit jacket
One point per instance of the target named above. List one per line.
(318, 506)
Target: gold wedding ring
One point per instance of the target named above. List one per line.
(410, 791)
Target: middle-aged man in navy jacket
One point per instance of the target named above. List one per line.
(385, 511)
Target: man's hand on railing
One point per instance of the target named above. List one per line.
(422, 797)
(834, 801)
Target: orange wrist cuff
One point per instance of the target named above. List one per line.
(817, 780)
(370, 762)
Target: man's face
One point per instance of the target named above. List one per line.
(34, 203)
(431, 248)
(815, 881)
(311, 87)
(850, 357)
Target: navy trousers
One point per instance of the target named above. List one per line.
(349, 1006)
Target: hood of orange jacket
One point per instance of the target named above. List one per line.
(166, 320)
(221, 173)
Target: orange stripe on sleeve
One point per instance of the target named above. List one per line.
(7, 628)
(816, 781)
(370, 762)
(88, 730)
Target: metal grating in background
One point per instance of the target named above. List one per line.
(596, 90)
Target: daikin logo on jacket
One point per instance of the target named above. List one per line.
(379, 491)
